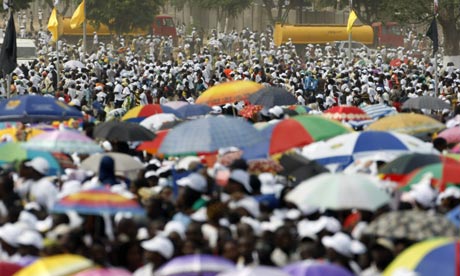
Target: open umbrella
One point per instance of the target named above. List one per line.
(271, 96)
(73, 64)
(444, 173)
(377, 111)
(176, 104)
(328, 190)
(97, 201)
(396, 62)
(122, 131)
(123, 162)
(426, 102)
(299, 168)
(8, 269)
(228, 92)
(57, 265)
(195, 265)
(439, 256)
(255, 271)
(14, 133)
(209, 135)
(104, 272)
(397, 169)
(408, 123)
(33, 108)
(139, 113)
(155, 122)
(316, 268)
(414, 225)
(153, 146)
(452, 135)
(193, 110)
(346, 113)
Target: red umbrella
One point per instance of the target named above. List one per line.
(8, 269)
(395, 62)
(346, 113)
(153, 145)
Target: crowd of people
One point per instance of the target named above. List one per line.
(248, 221)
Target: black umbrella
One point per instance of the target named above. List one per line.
(299, 167)
(271, 96)
(122, 132)
(426, 102)
(409, 162)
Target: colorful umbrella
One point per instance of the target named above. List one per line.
(440, 256)
(255, 271)
(104, 272)
(193, 110)
(327, 190)
(33, 108)
(97, 202)
(139, 113)
(408, 123)
(195, 265)
(123, 162)
(57, 265)
(271, 96)
(12, 133)
(68, 141)
(396, 62)
(316, 268)
(122, 131)
(408, 162)
(426, 102)
(8, 269)
(299, 109)
(153, 146)
(414, 225)
(344, 149)
(346, 113)
(176, 104)
(444, 173)
(377, 111)
(228, 92)
(452, 135)
(208, 135)
(155, 122)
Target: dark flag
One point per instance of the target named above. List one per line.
(8, 55)
(432, 33)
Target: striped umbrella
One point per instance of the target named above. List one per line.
(346, 113)
(139, 113)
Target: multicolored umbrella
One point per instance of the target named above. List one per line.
(195, 265)
(271, 96)
(139, 113)
(327, 190)
(452, 135)
(426, 102)
(97, 201)
(316, 268)
(346, 113)
(176, 104)
(228, 92)
(155, 122)
(414, 225)
(8, 269)
(153, 146)
(104, 272)
(193, 110)
(407, 123)
(122, 131)
(440, 256)
(397, 169)
(34, 108)
(255, 271)
(11, 133)
(444, 173)
(57, 265)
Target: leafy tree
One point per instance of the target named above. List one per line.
(282, 8)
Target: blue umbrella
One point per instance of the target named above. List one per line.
(208, 135)
(192, 110)
(32, 108)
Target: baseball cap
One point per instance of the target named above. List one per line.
(242, 178)
(343, 244)
(31, 238)
(39, 164)
(194, 181)
(161, 245)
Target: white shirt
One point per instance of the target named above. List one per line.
(146, 270)
(44, 193)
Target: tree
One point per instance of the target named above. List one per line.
(282, 8)
(20, 4)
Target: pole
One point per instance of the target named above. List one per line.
(84, 31)
(349, 35)
(57, 51)
(435, 75)
(8, 77)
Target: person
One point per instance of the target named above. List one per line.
(340, 249)
(41, 189)
(382, 252)
(440, 144)
(158, 251)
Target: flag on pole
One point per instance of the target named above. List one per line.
(432, 33)
(53, 25)
(8, 55)
(78, 16)
(351, 19)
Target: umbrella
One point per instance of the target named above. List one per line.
(408, 123)
(299, 167)
(404, 164)
(193, 110)
(104, 272)
(346, 113)
(8, 269)
(255, 271)
(122, 131)
(209, 135)
(396, 62)
(296, 109)
(176, 104)
(123, 162)
(153, 146)
(228, 92)
(414, 225)
(327, 190)
(377, 111)
(444, 173)
(426, 102)
(155, 122)
(452, 135)
(139, 113)
(316, 268)
(271, 96)
(250, 111)
(12, 132)
(344, 149)
(198, 264)
(97, 201)
(72, 64)
(438, 256)
(68, 141)
(57, 265)
(33, 108)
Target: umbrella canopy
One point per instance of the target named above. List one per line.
(198, 264)
(299, 168)
(73, 64)
(426, 102)
(68, 141)
(153, 146)
(228, 92)
(408, 123)
(57, 265)
(14, 133)
(444, 173)
(255, 271)
(122, 131)
(193, 110)
(315, 268)
(209, 135)
(250, 111)
(408, 162)
(33, 108)
(396, 62)
(344, 149)
(433, 257)
(377, 111)
(8, 269)
(346, 113)
(327, 190)
(452, 135)
(97, 202)
(123, 162)
(414, 225)
(271, 96)
(155, 122)
(176, 104)
(104, 272)
(139, 113)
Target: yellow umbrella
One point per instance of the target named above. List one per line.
(58, 265)
(228, 92)
(12, 133)
(408, 123)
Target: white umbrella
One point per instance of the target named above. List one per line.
(123, 162)
(72, 64)
(155, 121)
(255, 271)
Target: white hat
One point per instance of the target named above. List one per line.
(161, 245)
(276, 110)
(268, 183)
(194, 181)
(330, 224)
(39, 164)
(305, 230)
(343, 244)
(241, 177)
(249, 204)
(174, 226)
(449, 192)
(10, 233)
(32, 238)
